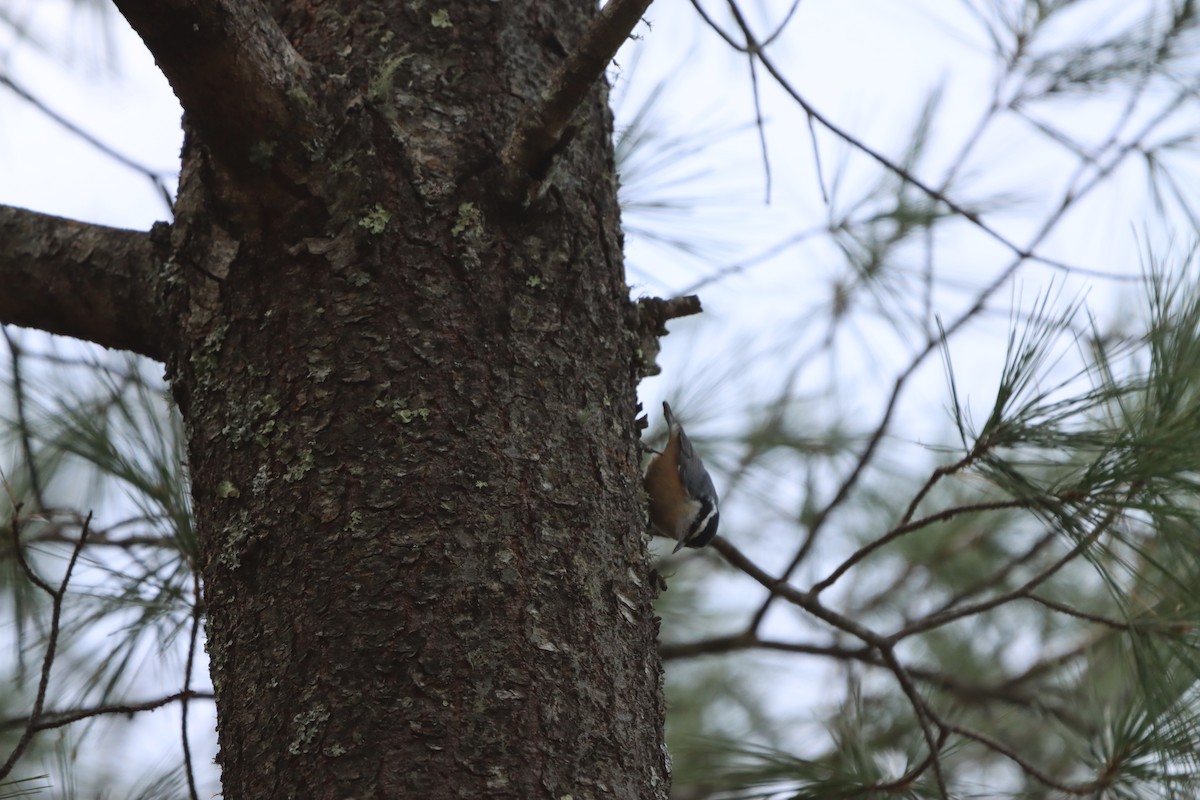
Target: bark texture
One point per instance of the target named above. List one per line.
(410, 409)
(88, 281)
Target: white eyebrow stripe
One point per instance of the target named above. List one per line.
(701, 524)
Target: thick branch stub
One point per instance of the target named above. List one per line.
(240, 81)
(543, 132)
(91, 282)
(657, 310)
(650, 323)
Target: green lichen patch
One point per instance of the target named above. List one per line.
(469, 224)
(309, 725)
(376, 220)
(381, 86)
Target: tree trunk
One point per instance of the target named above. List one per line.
(409, 397)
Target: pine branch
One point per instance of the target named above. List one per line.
(543, 132)
(241, 83)
(88, 281)
(1078, 188)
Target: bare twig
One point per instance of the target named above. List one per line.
(816, 151)
(775, 34)
(1001, 574)
(758, 115)
(187, 686)
(1006, 692)
(18, 390)
(156, 178)
(729, 40)
(19, 551)
(804, 600)
(1089, 788)
(883, 646)
(55, 535)
(1025, 590)
(60, 719)
(1022, 253)
(56, 599)
(907, 525)
(762, 257)
(926, 717)
(1070, 611)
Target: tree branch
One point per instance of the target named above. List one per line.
(236, 75)
(76, 279)
(738, 642)
(60, 719)
(1008, 692)
(542, 133)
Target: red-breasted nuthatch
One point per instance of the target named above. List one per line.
(683, 501)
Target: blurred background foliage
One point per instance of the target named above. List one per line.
(948, 383)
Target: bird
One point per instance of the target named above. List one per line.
(683, 500)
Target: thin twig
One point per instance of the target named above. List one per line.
(1001, 574)
(1063, 608)
(187, 686)
(18, 390)
(155, 177)
(55, 535)
(19, 551)
(816, 151)
(1025, 590)
(762, 130)
(804, 600)
(884, 646)
(763, 256)
(61, 719)
(751, 50)
(1005, 692)
(907, 525)
(1025, 766)
(926, 718)
(775, 34)
(1051, 663)
(51, 643)
(729, 40)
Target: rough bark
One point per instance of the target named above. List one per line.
(410, 411)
